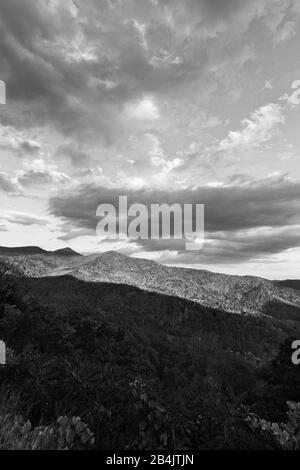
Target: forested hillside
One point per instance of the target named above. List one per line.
(141, 370)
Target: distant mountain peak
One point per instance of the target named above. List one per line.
(235, 294)
(111, 255)
(65, 252)
(35, 250)
(26, 250)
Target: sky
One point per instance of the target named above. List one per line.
(161, 100)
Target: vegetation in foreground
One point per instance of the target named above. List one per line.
(107, 366)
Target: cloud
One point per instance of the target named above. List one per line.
(8, 184)
(42, 79)
(142, 94)
(76, 156)
(250, 215)
(268, 85)
(18, 142)
(74, 234)
(256, 129)
(23, 218)
(282, 18)
(29, 148)
(35, 178)
(144, 109)
(74, 68)
(240, 247)
(286, 32)
(38, 173)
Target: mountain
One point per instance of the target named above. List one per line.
(291, 283)
(65, 252)
(235, 294)
(127, 359)
(22, 250)
(149, 345)
(33, 261)
(35, 250)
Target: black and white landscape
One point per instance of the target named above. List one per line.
(135, 338)
(147, 356)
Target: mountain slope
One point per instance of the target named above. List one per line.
(291, 283)
(118, 356)
(237, 294)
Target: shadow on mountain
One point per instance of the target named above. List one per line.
(282, 311)
(143, 370)
(131, 307)
(290, 283)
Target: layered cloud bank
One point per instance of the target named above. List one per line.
(242, 222)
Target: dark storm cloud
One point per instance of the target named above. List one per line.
(230, 248)
(24, 25)
(235, 217)
(75, 71)
(227, 208)
(37, 71)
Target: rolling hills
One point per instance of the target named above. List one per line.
(235, 294)
(142, 352)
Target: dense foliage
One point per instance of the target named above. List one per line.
(287, 435)
(141, 370)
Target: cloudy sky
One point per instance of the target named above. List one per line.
(162, 100)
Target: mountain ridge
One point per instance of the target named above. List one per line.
(235, 294)
(36, 250)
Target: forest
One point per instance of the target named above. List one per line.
(109, 366)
